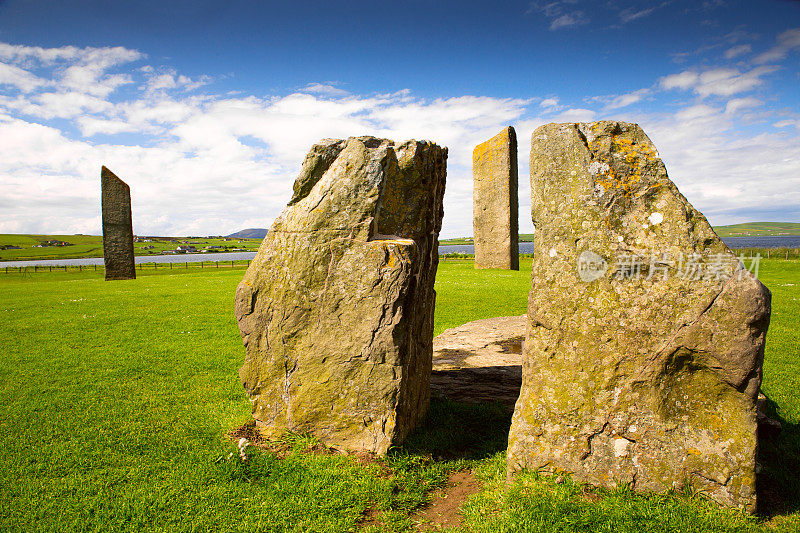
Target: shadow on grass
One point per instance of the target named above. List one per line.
(779, 480)
(455, 430)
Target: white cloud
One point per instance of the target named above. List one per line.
(725, 174)
(737, 51)
(695, 112)
(205, 163)
(569, 20)
(324, 88)
(19, 78)
(629, 14)
(575, 115)
(737, 104)
(624, 100)
(561, 13)
(683, 80)
(787, 42)
(788, 122)
(718, 81)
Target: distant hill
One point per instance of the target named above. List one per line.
(752, 229)
(249, 233)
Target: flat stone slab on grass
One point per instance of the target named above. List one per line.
(480, 361)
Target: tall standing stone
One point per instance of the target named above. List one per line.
(117, 227)
(494, 202)
(336, 309)
(645, 342)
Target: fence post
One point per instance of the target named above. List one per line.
(787, 254)
(767, 254)
(218, 263)
(201, 264)
(187, 264)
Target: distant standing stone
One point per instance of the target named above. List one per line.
(645, 340)
(495, 204)
(117, 227)
(336, 309)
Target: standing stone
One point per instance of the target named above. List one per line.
(336, 309)
(494, 202)
(117, 227)
(645, 341)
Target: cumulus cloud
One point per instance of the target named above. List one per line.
(19, 78)
(718, 81)
(196, 162)
(208, 163)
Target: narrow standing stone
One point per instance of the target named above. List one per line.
(494, 202)
(117, 227)
(336, 309)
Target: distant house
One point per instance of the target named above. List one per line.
(54, 242)
(10, 247)
(185, 249)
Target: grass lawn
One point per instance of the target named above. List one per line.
(116, 398)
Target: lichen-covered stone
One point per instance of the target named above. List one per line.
(117, 227)
(645, 337)
(336, 309)
(494, 202)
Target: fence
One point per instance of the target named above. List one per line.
(766, 253)
(139, 267)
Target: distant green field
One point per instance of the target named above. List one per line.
(758, 229)
(116, 397)
(92, 246)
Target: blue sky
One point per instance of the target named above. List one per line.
(206, 109)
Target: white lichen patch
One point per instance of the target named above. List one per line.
(621, 447)
(598, 167)
(656, 218)
(553, 252)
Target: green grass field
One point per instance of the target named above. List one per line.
(116, 398)
(758, 228)
(92, 246)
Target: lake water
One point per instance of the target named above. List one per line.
(784, 241)
(172, 258)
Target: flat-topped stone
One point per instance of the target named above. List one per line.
(336, 309)
(495, 206)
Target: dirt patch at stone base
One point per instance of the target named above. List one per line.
(444, 511)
